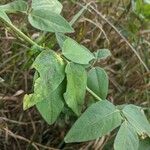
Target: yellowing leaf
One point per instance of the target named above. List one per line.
(51, 69)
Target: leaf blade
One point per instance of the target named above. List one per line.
(53, 5)
(52, 107)
(51, 73)
(76, 87)
(98, 82)
(102, 54)
(12, 7)
(76, 52)
(47, 20)
(138, 120)
(127, 138)
(98, 120)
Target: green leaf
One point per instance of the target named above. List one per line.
(41, 93)
(51, 69)
(29, 101)
(52, 5)
(137, 119)
(17, 5)
(102, 54)
(127, 138)
(98, 82)
(76, 87)
(144, 144)
(47, 20)
(98, 120)
(141, 8)
(51, 107)
(61, 39)
(4, 17)
(76, 52)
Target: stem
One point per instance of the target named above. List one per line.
(93, 94)
(26, 38)
(21, 34)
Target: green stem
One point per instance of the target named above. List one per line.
(89, 90)
(26, 38)
(21, 34)
(93, 94)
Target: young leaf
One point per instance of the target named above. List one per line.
(52, 5)
(51, 68)
(127, 138)
(51, 107)
(137, 119)
(76, 87)
(12, 7)
(98, 120)
(4, 17)
(98, 82)
(102, 54)
(28, 101)
(76, 52)
(47, 20)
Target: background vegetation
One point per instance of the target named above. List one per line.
(116, 25)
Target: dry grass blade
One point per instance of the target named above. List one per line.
(34, 144)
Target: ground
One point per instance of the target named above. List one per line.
(110, 25)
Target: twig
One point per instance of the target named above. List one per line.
(34, 144)
(99, 26)
(119, 33)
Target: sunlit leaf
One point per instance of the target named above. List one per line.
(76, 52)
